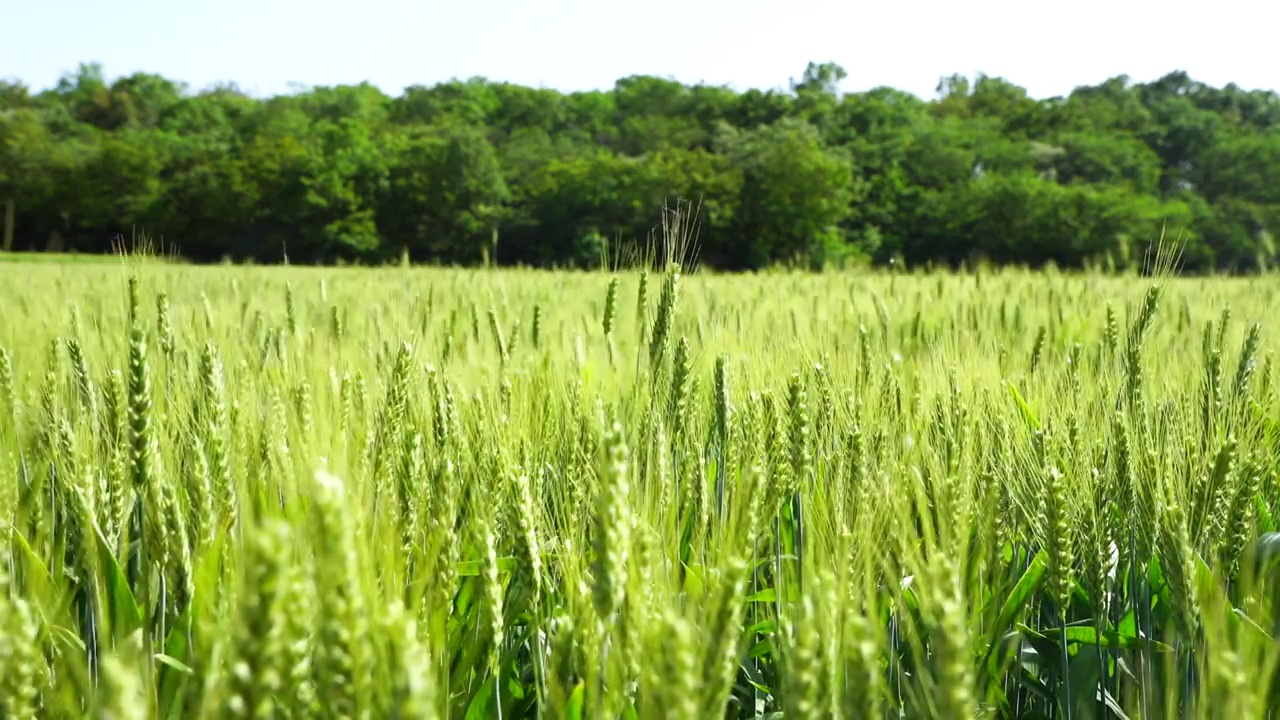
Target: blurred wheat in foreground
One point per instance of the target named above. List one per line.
(407, 493)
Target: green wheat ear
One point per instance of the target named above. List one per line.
(121, 692)
(535, 329)
(8, 399)
(964, 510)
(26, 678)
(613, 525)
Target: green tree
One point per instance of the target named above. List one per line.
(1113, 105)
(142, 99)
(818, 93)
(1238, 234)
(1108, 158)
(572, 202)
(114, 190)
(794, 194)
(469, 102)
(14, 95)
(222, 112)
(24, 175)
(1244, 166)
(445, 193)
(803, 173)
(206, 201)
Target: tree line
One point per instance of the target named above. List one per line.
(480, 171)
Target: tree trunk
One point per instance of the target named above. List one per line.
(9, 211)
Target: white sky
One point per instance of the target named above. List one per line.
(264, 45)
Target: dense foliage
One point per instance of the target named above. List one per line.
(469, 170)
(408, 493)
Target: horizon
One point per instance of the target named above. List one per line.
(267, 48)
(293, 87)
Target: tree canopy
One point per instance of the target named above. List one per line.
(473, 169)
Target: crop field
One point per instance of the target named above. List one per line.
(443, 493)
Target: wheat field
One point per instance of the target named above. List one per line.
(427, 493)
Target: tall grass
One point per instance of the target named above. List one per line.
(425, 493)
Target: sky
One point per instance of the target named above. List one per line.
(270, 46)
